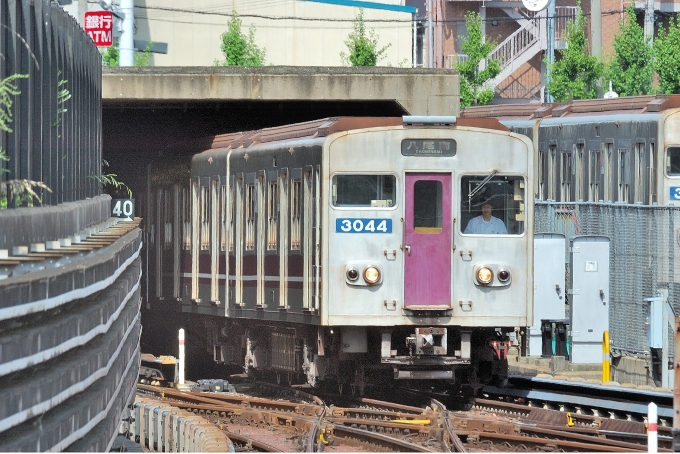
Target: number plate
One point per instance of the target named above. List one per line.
(356, 225)
(123, 208)
(675, 193)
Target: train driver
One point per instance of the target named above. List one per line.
(486, 223)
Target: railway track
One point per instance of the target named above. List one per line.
(304, 423)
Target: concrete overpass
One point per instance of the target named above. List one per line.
(154, 113)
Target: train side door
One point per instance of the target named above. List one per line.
(427, 240)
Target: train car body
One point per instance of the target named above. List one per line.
(336, 251)
(621, 150)
(611, 167)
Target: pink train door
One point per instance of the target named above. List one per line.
(427, 240)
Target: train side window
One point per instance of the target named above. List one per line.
(223, 218)
(542, 173)
(272, 214)
(624, 175)
(205, 218)
(364, 191)
(578, 173)
(232, 215)
(250, 209)
(506, 194)
(566, 175)
(673, 161)
(595, 170)
(295, 213)
(186, 219)
(427, 206)
(551, 172)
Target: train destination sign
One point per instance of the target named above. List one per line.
(99, 26)
(428, 147)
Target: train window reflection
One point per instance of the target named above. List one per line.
(427, 206)
(492, 204)
(364, 190)
(673, 161)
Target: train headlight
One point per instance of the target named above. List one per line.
(503, 275)
(372, 275)
(352, 274)
(484, 275)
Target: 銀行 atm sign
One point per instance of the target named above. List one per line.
(99, 25)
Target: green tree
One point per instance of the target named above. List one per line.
(111, 55)
(362, 45)
(472, 80)
(239, 49)
(631, 69)
(667, 62)
(575, 74)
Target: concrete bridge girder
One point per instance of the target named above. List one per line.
(417, 91)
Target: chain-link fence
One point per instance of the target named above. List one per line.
(644, 258)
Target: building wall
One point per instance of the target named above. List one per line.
(293, 32)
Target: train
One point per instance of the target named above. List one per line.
(620, 150)
(611, 168)
(258, 244)
(339, 252)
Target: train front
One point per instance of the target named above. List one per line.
(429, 258)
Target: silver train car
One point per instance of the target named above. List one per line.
(338, 251)
(620, 150)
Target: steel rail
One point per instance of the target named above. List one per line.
(392, 444)
(453, 436)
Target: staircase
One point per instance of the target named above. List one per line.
(521, 46)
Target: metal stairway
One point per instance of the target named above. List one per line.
(522, 45)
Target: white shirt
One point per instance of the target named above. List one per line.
(478, 225)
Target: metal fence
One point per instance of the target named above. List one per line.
(55, 112)
(644, 258)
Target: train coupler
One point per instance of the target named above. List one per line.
(500, 348)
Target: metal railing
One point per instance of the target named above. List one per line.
(54, 134)
(520, 41)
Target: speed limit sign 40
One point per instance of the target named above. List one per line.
(124, 209)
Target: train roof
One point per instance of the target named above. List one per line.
(326, 127)
(586, 107)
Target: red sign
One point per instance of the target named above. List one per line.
(99, 25)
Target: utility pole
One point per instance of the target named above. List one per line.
(430, 33)
(127, 40)
(551, 48)
(649, 21)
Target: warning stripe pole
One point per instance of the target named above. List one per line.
(651, 429)
(181, 356)
(606, 371)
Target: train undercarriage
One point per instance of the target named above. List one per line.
(350, 359)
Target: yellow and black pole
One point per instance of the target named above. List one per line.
(605, 358)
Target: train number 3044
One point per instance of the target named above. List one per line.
(354, 225)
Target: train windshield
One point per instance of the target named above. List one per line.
(673, 161)
(492, 204)
(364, 190)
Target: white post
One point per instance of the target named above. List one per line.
(126, 46)
(651, 428)
(181, 356)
